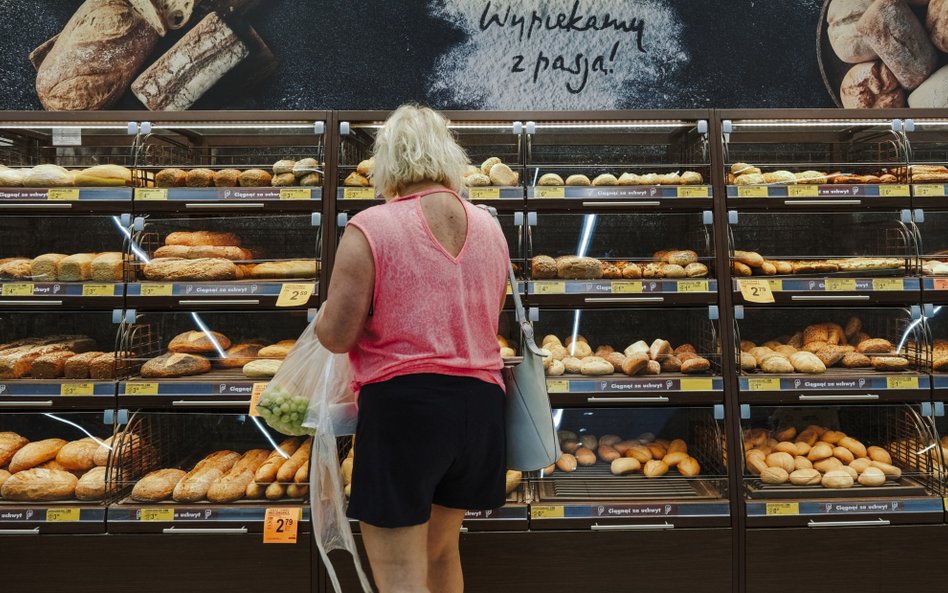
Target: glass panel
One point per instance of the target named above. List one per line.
(75, 145)
(38, 345)
(938, 325)
(933, 244)
(929, 143)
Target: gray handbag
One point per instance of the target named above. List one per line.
(531, 436)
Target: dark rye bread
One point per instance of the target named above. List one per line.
(95, 58)
(77, 367)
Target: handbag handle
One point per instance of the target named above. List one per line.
(526, 328)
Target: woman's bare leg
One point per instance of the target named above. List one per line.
(398, 557)
(444, 557)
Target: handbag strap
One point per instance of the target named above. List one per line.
(526, 328)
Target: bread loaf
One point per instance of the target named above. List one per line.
(91, 486)
(262, 369)
(104, 176)
(806, 362)
(43, 268)
(191, 67)
(572, 267)
(10, 443)
(78, 455)
(285, 269)
(227, 178)
(95, 57)
(39, 485)
(165, 269)
(203, 251)
(198, 342)
(605, 179)
(195, 484)
(165, 15)
(279, 350)
(35, 453)
(933, 93)
(580, 180)
(16, 268)
(550, 179)
(356, 180)
(171, 178)
(175, 365)
(302, 474)
(850, 46)
(103, 366)
(233, 485)
(197, 238)
(655, 468)
(502, 175)
(871, 85)
(267, 472)
(157, 485)
(892, 30)
(238, 355)
(937, 24)
(109, 267)
(50, 366)
(75, 268)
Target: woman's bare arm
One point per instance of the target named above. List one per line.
(346, 309)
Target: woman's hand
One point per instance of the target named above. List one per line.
(346, 309)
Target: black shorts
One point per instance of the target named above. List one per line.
(427, 439)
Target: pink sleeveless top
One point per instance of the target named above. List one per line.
(431, 312)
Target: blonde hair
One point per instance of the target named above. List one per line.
(415, 145)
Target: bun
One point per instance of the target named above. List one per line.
(310, 166)
(605, 180)
(283, 180)
(577, 180)
(501, 174)
(550, 179)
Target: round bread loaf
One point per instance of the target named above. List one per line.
(850, 46)
(283, 180)
(486, 165)
(502, 175)
(255, 178)
(605, 179)
(200, 178)
(871, 85)
(307, 166)
(227, 178)
(171, 178)
(283, 167)
(477, 180)
(577, 180)
(550, 179)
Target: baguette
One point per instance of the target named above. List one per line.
(285, 269)
(164, 269)
(158, 485)
(302, 475)
(267, 472)
(275, 491)
(194, 486)
(39, 485)
(288, 470)
(196, 238)
(233, 485)
(296, 491)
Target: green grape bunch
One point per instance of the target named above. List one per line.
(284, 411)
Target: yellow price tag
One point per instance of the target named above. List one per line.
(62, 515)
(689, 191)
(281, 525)
(295, 295)
(547, 511)
(840, 284)
(156, 514)
(752, 191)
(626, 286)
(887, 284)
(549, 287)
(141, 389)
(17, 290)
(897, 382)
(483, 193)
(894, 191)
(557, 385)
(75, 389)
(295, 193)
(704, 384)
(946, 503)
(358, 193)
(549, 192)
(930, 191)
(63, 194)
(154, 194)
(763, 384)
(776, 285)
(783, 508)
(509, 290)
(94, 290)
(255, 393)
(803, 191)
(755, 290)
(157, 290)
(693, 286)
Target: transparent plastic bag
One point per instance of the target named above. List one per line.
(310, 394)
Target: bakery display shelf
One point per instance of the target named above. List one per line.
(513, 516)
(934, 289)
(691, 291)
(210, 199)
(218, 388)
(67, 517)
(662, 197)
(56, 394)
(836, 197)
(836, 289)
(571, 391)
(68, 295)
(66, 199)
(846, 512)
(835, 386)
(940, 386)
(266, 294)
(903, 487)
(128, 516)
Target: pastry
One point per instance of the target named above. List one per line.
(171, 178)
(895, 33)
(175, 365)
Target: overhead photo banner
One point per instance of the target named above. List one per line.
(472, 54)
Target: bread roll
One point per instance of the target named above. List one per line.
(655, 468)
(255, 178)
(695, 365)
(502, 175)
(660, 350)
(580, 180)
(854, 446)
(635, 363)
(476, 180)
(279, 350)
(843, 454)
(879, 454)
(91, 486)
(855, 360)
(605, 179)
(200, 178)
(550, 179)
(782, 460)
(624, 466)
(820, 451)
(889, 363)
(837, 479)
(892, 472)
(872, 476)
(806, 362)
(774, 475)
(801, 462)
(39, 485)
(226, 178)
(238, 355)
(566, 463)
(893, 31)
(608, 454)
(595, 366)
(828, 464)
(157, 485)
(805, 477)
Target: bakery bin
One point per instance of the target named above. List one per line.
(936, 325)
(863, 355)
(836, 258)
(631, 357)
(231, 261)
(932, 229)
(841, 465)
(54, 472)
(656, 469)
(489, 139)
(65, 164)
(801, 160)
(246, 161)
(928, 156)
(190, 359)
(639, 160)
(58, 360)
(606, 258)
(156, 485)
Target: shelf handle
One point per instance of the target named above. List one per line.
(31, 303)
(841, 297)
(657, 399)
(204, 403)
(219, 302)
(464, 530)
(871, 523)
(821, 398)
(624, 299)
(822, 202)
(204, 531)
(34, 531)
(623, 204)
(223, 205)
(644, 527)
(43, 205)
(46, 403)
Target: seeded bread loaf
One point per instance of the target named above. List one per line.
(175, 365)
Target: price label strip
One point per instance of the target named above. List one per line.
(154, 515)
(295, 193)
(152, 194)
(752, 191)
(783, 508)
(295, 295)
(549, 192)
(484, 193)
(840, 285)
(557, 385)
(358, 193)
(898, 382)
(693, 192)
(763, 384)
(76, 389)
(549, 287)
(755, 290)
(157, 290)
(62, 515)
(98, 290)
(13, 290)
(626, 286)
(547, 512)
(931, 191)
(255, 394)
(281, 525)
(803, 191)
(141, 389)
(63, 194)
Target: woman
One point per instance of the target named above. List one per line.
(415, 297)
